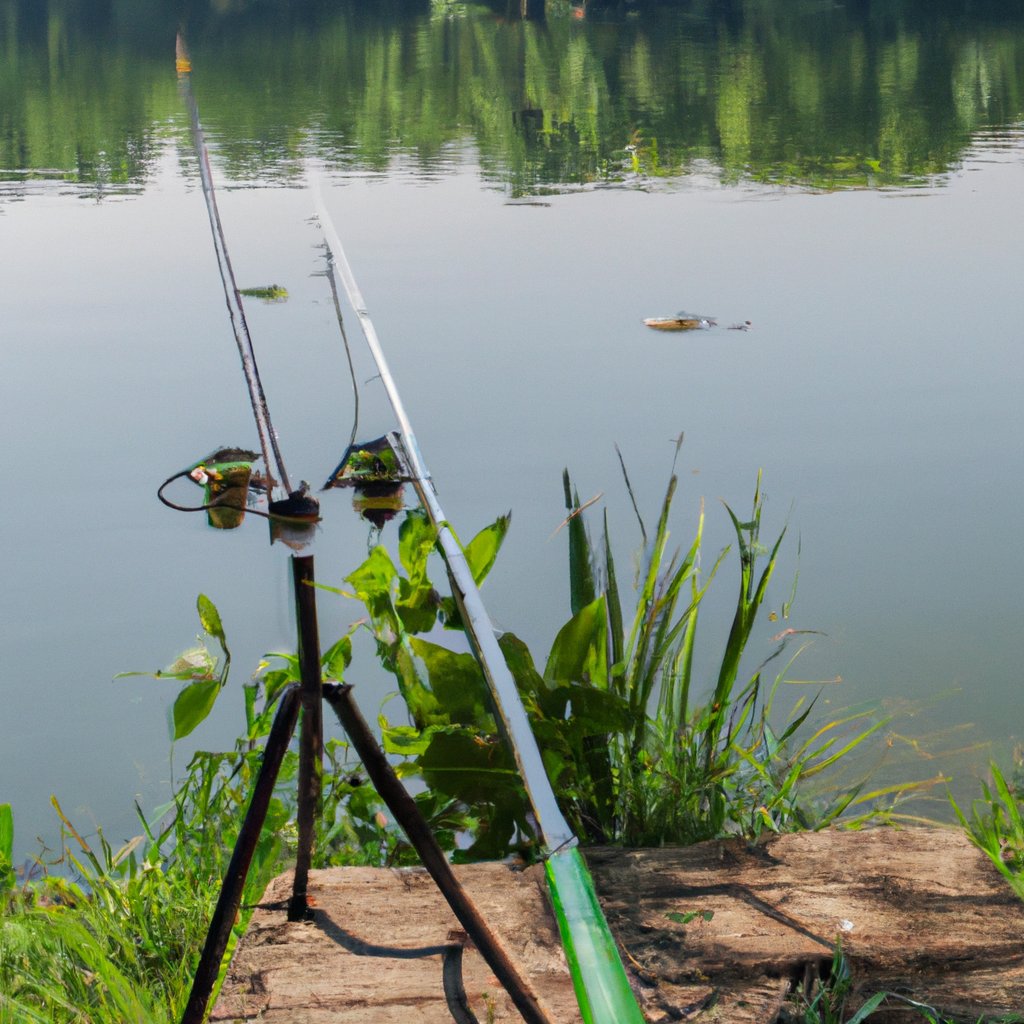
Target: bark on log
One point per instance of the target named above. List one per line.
(919, 911)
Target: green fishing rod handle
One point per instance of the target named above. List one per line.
(602, 988)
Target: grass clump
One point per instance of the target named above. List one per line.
(107, 936)
(639, 751)
(996, 825)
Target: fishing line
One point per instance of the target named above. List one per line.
(348, 351)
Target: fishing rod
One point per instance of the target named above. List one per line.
(599, 979)
(292, 514)
(277, 475)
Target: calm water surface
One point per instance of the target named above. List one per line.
(515, 196)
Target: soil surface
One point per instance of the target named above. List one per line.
(919, 912)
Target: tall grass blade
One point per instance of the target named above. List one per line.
(582, 590)
(614, 604)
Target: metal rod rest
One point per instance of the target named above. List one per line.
(230, 898)
(412, 822)
(311, 736)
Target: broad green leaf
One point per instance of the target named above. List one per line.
(277, 680)
(580, 651)
(462, 765)
(520, 663)
(868, 1008)
(250, 690)
(457, 683)
(372, 582)
(483, 549)
(423, 706)
(683, 918)
(374, 576)
(416, 608)
(417, 603)
(192, 705)
(337, 658)
(596, 711)
(210, 617)
(405, 740)
(416, 539)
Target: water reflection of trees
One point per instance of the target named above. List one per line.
(796, 92)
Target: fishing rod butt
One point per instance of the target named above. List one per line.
(599, 978)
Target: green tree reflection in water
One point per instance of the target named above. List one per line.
(809, 93)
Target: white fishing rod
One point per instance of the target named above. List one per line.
(602, 988)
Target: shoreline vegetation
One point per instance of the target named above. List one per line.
(888, 94)
(640, 753)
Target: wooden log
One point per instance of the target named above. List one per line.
(918, 911)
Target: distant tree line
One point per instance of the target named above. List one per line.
(872, 93)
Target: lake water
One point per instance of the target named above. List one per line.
(515, 195)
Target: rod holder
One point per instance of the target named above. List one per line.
(311, 736)
(409, 817)
(230, 898)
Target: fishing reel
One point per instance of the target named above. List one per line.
(377, 472)
(231, 488)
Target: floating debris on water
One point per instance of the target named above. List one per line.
(745, 326)
(682, 322)
(272, 293)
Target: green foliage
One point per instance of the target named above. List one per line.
(115, 935)
(632, 757)
(690, 915)
(270, 293)
(197, 668)
(6, 848)
(670, 770)
(997, 828)
(824, 1001)
(864, 95)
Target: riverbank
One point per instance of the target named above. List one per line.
(919, 911)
